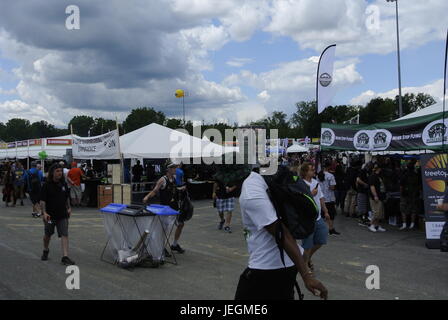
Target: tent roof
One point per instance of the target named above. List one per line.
(296, 148)
(435, 108)
(158, 142)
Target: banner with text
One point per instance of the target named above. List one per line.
(419, 133)
(100, 147)
(434, 177)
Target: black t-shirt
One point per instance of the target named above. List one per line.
(411, 184)
(55, 196)
(363, 177)
(221, 191)
(377, 182)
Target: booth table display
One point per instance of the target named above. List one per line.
(126, 227)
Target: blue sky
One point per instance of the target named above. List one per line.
(126, 56)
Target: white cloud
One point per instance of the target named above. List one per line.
(250, 111)
(264, 95)
(434, 89)
(239, 62)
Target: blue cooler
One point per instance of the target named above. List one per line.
(113, 208)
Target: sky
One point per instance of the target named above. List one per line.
(239, 60)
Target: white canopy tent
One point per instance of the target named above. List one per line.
(158, 142)
(435, 108)
(296, 148)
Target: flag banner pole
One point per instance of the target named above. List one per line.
(324, 79)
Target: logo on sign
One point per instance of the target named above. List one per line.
(435, 174)
(325, 79)
(327, 138)
(362, 140)
(434, 133)
(381, 139)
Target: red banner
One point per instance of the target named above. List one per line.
(59, 142)
(35, 142)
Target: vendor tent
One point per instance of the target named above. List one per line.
(435, 108)
(158, 142)
(54, 147)
(296, 148)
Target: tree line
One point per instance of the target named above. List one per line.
(303, 122)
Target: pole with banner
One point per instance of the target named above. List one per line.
(119, 152)
(324, 81)
(444, 88)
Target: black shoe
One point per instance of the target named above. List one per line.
(333, 231)
(228, 230)
(45, 255)
(34, 214)
(66, 261)
(166, 253)
(220, 225)
(177, 248)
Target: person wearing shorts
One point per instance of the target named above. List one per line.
(74, 177)
(225, 204)
(320, 235)
(56, 210)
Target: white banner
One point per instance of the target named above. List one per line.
(101, 147)
(325, 86)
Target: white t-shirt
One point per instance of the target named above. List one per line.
(258, 212)
(329, 181)
(319, 195)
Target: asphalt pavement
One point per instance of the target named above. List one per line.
(212, 263)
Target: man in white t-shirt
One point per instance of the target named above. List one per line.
(317, 239)
(266, 277)
(328, 182)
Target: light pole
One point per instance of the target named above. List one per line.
(400, 105)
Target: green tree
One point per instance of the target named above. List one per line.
(2, 131)
(81, 125)
(306, 122)
(141, 117)
(412, 102)
(101, 126)
(42, 129)
(378, 110)
(17, 129)
(174, 123)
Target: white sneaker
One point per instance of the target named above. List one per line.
(402, 227)
(412, 226)
(372, 228)
(381, 229)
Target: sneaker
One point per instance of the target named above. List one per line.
(228, 230)
(334, 232)
(381, 229)
(34, 214)
(66, 261)
(177, 248)
(220, 225)
(402, 227)
(412, 226)
(372, 228)
(45, 255)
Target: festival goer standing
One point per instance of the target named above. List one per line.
(55, 204)
(266, 277)
(8, 187)
(362, 198)
(137, 173)
(320, 236)
(328, 187)
(19, 184)
(74, 177)
(34, 179)
(410, 184)
(341, 190)
(350, 199)
(377, 196)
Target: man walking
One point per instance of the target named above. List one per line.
(328, 182)
(169, 196)
(225, 203)
(377, 196)
(34, 179)
(19, 184)
(267, 277)
(74, 177)
(137, 173)
(55, 204)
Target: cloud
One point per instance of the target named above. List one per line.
(434, 89)
(239, 62)
(264, 95)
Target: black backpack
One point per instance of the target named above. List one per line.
(186, 208)
(293, 203)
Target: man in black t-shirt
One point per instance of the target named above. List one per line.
(55, 204)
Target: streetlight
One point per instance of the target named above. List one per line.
(400, 106)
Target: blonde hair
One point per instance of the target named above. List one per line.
(304, 169)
